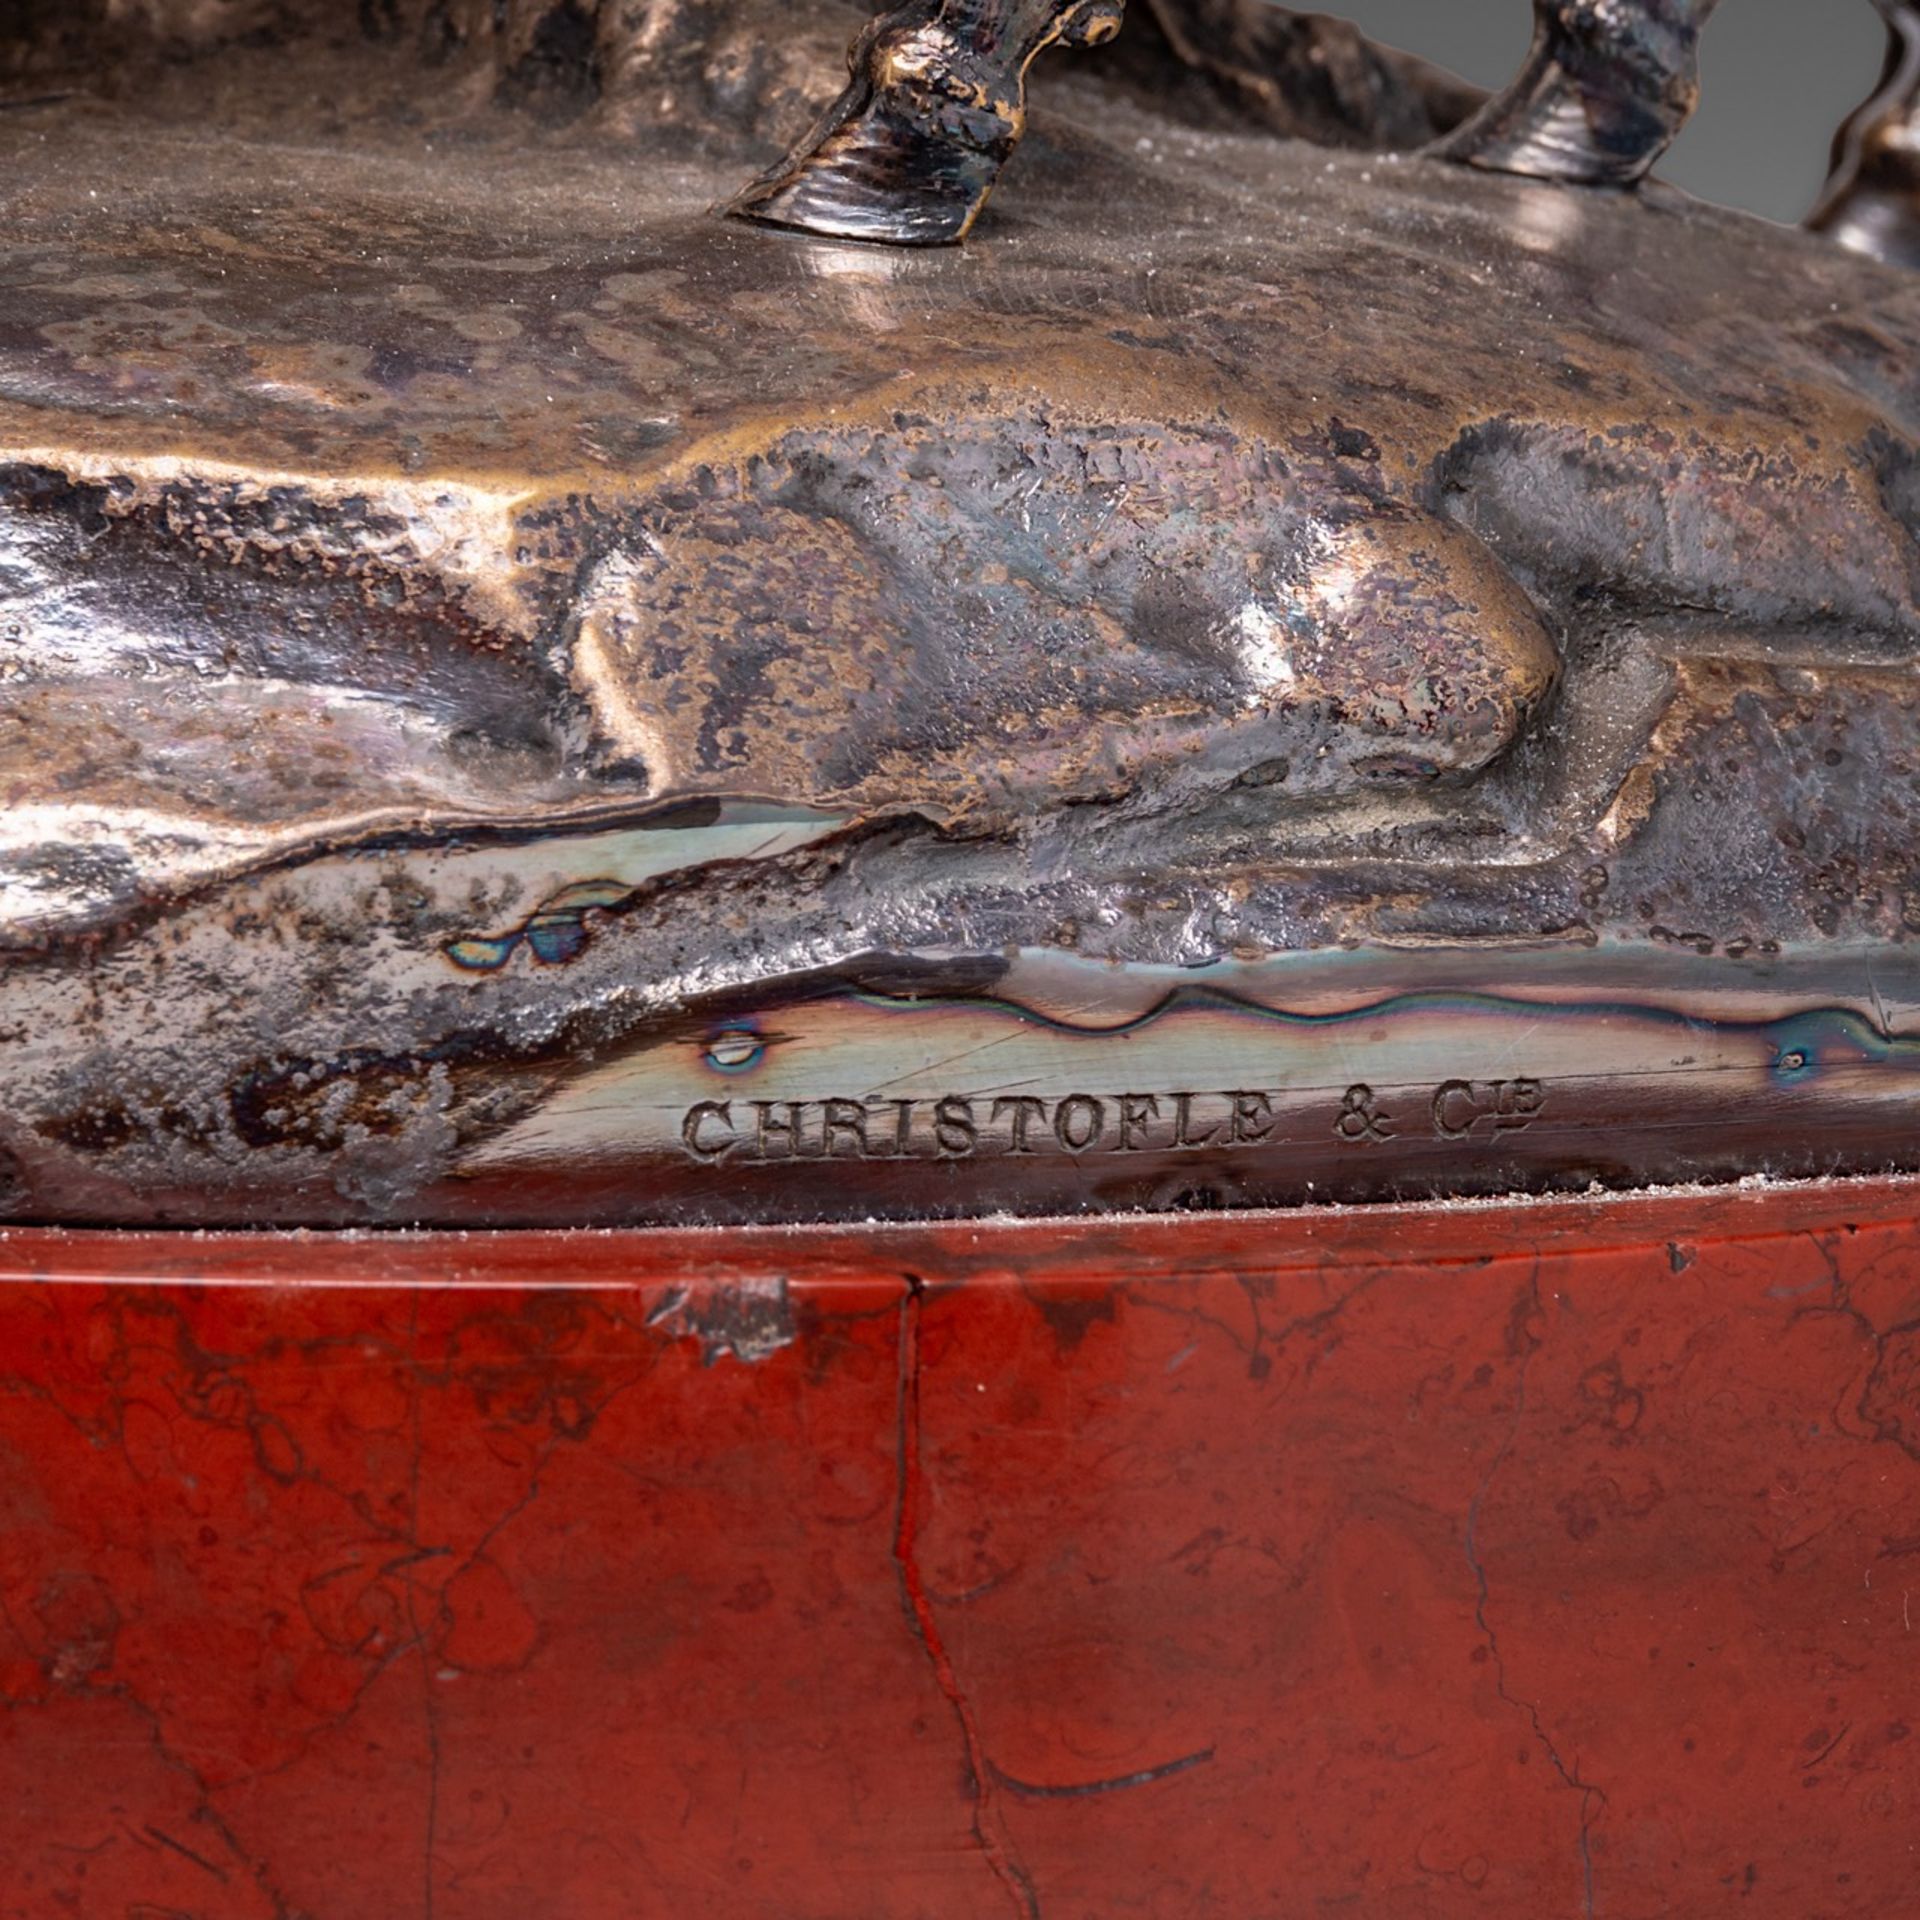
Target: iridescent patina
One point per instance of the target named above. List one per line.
(1286, 667)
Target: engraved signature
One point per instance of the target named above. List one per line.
(962, 1127)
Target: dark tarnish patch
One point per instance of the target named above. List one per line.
(559, 67)
(317, 1102)
(748, 1321)
(13, 1184)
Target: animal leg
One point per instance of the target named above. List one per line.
(938, 102)
(1872, 202)
(1604, 93)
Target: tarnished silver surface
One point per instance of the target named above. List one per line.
(1273, 673)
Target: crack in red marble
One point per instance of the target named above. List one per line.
(922, 1618)
(199, 1363)
(1826, 1752)
(334, 1723)
(1591, 1796)
(420, 1642)
(205, 1369)
(1080, 1790)
(429, 1706)
(1267, 1342)
(1192, 1317)
(163, 1839)
(204, 1809)
(1321, 1321)
(1852, 1413)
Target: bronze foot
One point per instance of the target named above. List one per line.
(1605, 91)
(938, 102)
(1872, 202)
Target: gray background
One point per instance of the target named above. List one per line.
(1780, 76)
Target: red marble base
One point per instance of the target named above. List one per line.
(1511, 1562)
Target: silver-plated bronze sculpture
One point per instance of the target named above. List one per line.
(1287, 667)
